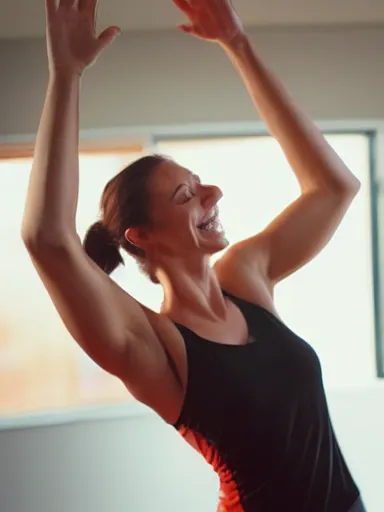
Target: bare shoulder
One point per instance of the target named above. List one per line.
(244, 277)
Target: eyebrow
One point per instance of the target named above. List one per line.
(179, 187)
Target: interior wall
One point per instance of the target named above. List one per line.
(140, 464)
(170, 78)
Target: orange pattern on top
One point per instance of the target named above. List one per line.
(229, 497)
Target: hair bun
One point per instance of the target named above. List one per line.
(104, 233)
(102, 247)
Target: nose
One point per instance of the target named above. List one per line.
(210, 195)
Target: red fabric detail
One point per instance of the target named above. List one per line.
(229, 497)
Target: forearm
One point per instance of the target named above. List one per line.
(50, 210)
(312, 159)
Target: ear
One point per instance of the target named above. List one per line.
(137, 237)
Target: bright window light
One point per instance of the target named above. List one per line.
(329, 303)
(41, 368)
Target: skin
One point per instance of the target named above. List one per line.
(121, 335)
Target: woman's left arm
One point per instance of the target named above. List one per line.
(327, 185)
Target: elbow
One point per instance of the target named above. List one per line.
(345, 193)
(344, 189)
(40, 242)
(346, 183)
(35, 242)
(353, 186)
(350, 189)
(335, 180)
(34, 237)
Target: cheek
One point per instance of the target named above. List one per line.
(174, 227)
(173, 217)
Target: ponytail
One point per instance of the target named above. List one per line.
(102, 247)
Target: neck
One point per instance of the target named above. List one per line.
(191, 289)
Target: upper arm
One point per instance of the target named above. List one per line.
(296, 235)
(99, 315)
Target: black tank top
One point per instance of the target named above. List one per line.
(258, 414)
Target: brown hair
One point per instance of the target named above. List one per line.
(123, 205)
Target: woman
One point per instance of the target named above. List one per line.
(217, 362)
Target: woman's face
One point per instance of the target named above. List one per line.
(183, 213)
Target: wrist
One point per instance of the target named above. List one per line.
(237, 44)
(64, 77)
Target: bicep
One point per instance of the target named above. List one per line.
(98, 314)
(298, 234)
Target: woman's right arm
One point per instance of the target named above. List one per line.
(107, 323)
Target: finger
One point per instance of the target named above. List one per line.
(108, 36)
(90, 7)
(190, 29)
(184, 6)
(50, 8)
(87, 5)
(185, 28)
(66, 4)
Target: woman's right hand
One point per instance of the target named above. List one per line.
(72, 42)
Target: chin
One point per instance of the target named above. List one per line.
(218, 242)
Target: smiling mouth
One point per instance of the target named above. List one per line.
(212, 223)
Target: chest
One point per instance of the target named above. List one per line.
(233, 330)
(275, 371)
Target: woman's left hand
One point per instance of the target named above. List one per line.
(213, 20)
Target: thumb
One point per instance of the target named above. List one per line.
(190, 29)
(185, 28)
(108, 36)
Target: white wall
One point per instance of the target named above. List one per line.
(140, 464)
(169, 78)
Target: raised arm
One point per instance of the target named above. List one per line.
(327, 186)
(110, 325)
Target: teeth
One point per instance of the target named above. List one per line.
(213, 223)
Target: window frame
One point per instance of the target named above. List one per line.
(377, 223)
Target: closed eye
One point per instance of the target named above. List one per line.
(187, 195)
(183, 193)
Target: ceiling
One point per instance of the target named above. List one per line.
(25, 18)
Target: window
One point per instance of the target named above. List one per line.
(41, 368)
(330, 301)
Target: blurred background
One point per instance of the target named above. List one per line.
(71, 437)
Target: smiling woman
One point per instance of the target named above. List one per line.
(216, 363)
